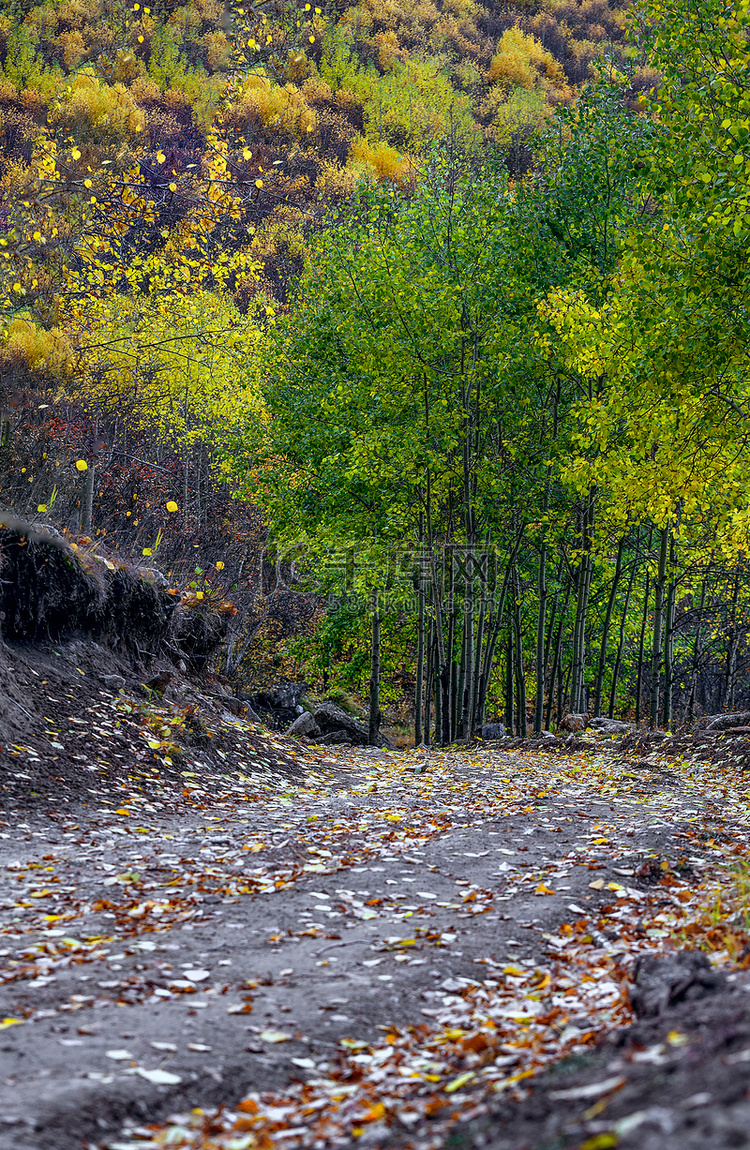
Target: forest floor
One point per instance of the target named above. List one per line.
(183, 965)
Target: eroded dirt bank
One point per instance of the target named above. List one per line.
(372, 947)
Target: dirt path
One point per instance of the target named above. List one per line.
(387, 947)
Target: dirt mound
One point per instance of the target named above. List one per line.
(676, 1080)
(101, 666)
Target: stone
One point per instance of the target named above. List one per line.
(662, 981)
(112, 682)
(336, 738)
(304, 726)
(723, 722)
(577, 722)
(493, 730)
(606, 726)
(331, 718)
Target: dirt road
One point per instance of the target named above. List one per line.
(386, 949)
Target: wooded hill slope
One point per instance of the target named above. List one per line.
(460, 312)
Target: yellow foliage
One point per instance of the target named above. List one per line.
(26, 345)
(265, 104)
(335, 181)
(94, 107)
(522, 61)
(218, 51)
(381, 159)
(388, 49)
(184, 366)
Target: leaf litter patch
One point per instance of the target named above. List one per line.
(492, 1036)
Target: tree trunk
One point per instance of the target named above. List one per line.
(375, 672)
(468, 657)
(642, 641)
(540, 641)
(669, 646)
(87, 499)
(556, 659)
(731, 661)
(427, 723)
(578, 669)
(509, 686)
(419, 685)
(621, 641)
(696, 655)
(656, 647)
(518, 650)
(605, 630)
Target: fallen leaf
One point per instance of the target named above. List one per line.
(159, 1077)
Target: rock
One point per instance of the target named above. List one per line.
(278, 705)
(336, 738)
(160, 682)
(304, 726)
(607, 726)
(723, 722)
(231, 703)
(331, 718)
(282, 697)
(493, 730)
(112, 682)
(575, 722)
(662, 981)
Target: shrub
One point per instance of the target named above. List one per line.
(105, 113)
(382, 161)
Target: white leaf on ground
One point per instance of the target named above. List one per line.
(159, 1077)
(591, 1090)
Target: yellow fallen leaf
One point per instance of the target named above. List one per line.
(597, 884)
(457, 1083)
(274, 1036)
(614, 886)
(40, 893)
(375, 1113)
(122, 811)
(6, 1022)
(542, 889)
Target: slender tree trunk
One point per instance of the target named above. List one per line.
(656, 647)
(556, 660)
(696, 655)
(605, 630)
(621, 641)
(731, 660)
(419, 685)
(87, 500)
(669, 644)
(509, 683)
(468, 659)
(430, 682)
(518, 650)
(642, 640)
(451, 705)
(578, 669)
(540, 641)
(375, 672)
(563, 689)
